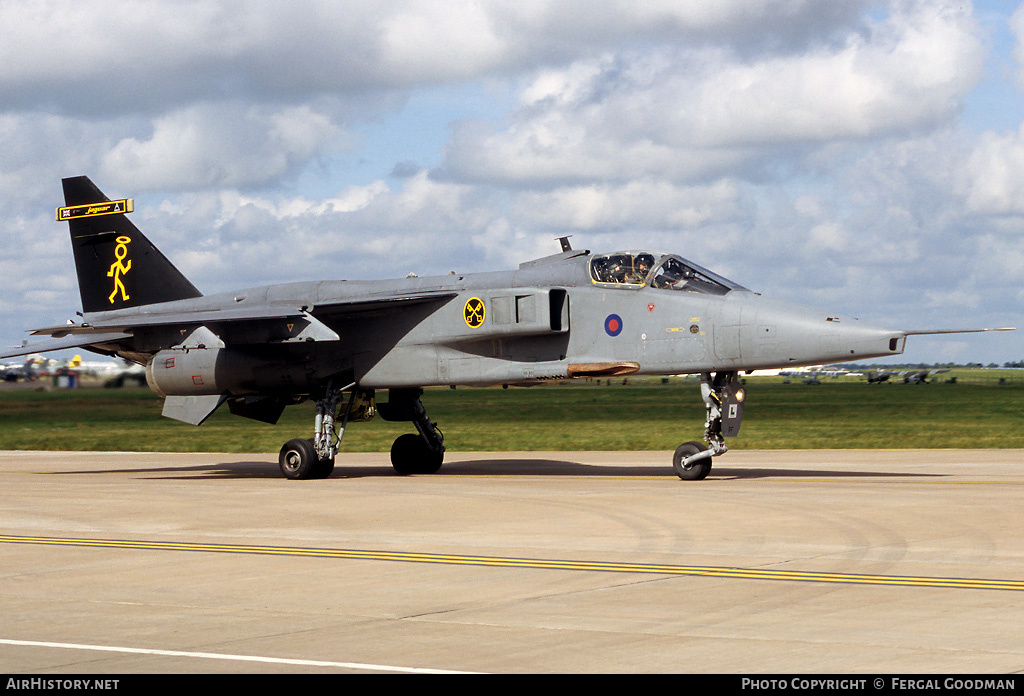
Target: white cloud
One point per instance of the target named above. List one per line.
(221, 145)
(1016, 25)
(642, 204)
(695, 112)
(231, 240)
(995, 173)
(100, 56)
(426, 41)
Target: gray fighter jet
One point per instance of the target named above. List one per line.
(572, 315)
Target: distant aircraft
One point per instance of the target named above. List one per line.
(34, 367)
(878, 376)
(919, 376)
(814, 374)
(909, 376)
(113, 373)
(16, 372)
(568, 316)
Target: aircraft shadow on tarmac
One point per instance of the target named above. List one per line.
(548, 467)
(498, 467)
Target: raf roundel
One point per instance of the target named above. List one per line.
(613, 325)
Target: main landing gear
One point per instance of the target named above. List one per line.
(421, 453)
(413, 453)
(314, 458)
(723, 398)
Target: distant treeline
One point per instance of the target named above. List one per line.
(929, 366)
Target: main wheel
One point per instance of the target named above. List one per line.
(298, 459)
(695, 472)
(410, 454)
(323, 467)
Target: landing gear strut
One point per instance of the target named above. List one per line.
(723, 398)
(421, 453)
(314, 458)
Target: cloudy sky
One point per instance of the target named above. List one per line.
(863, 157)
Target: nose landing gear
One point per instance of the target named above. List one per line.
(723, 398)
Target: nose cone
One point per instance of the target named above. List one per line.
(787, 334)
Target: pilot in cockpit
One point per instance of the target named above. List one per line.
(642, 265)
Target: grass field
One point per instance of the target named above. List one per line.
(976, 412)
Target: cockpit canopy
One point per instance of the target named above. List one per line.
(659, 270)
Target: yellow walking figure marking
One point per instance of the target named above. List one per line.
(119, 268)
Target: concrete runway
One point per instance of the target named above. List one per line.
(780, 562)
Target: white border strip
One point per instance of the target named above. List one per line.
(221, 656)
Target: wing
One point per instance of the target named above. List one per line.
(117, 331)
(103, 341)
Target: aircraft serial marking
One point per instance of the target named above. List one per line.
(536, 563)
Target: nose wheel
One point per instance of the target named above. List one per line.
(686, 464)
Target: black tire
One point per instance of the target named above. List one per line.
(697, 471)
(323, 467)
(411, 455)
(298, 459)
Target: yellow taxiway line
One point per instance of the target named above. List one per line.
(535, 563)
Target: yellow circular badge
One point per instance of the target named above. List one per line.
(474, 312)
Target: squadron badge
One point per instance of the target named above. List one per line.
(474, 312)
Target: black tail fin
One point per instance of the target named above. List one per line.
(117, 266)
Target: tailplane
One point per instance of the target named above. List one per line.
(117, 265)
